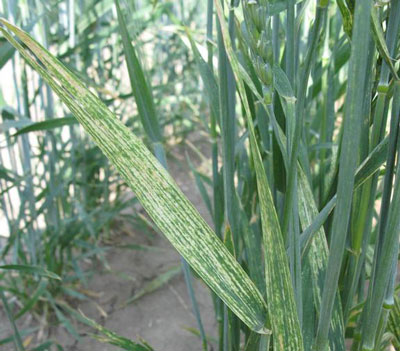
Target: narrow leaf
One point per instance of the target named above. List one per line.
(105, 335)
(155, 284)
(156, 190)
(280, 295)
(31, 270)
(350, 144)
(47, 125)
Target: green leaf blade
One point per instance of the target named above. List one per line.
(280, 295)
(31, 270)
(172, 212)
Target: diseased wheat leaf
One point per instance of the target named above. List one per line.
(156, 190)
(280, 295)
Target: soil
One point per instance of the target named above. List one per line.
(161, 317)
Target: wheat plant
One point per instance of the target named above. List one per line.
(304, 108)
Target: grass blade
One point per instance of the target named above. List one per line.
(280, 294)
(32, 300)
(17, 337)
(156, 190)
(105, 335)
(145, 102)
(155, 284)
(366, 170)
(386, 262)
(47, 125)
(31, 270)
(380, 41)
(317, 258)
(350, 143)
(140, 87)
